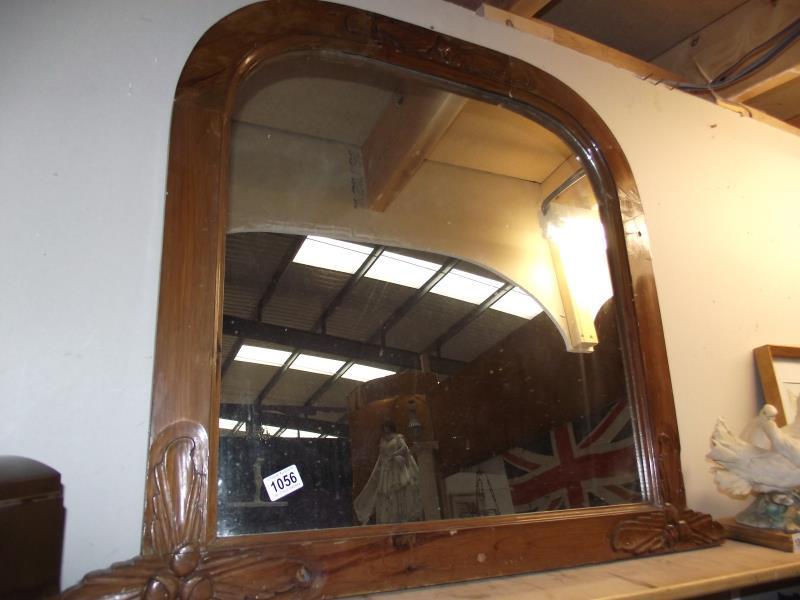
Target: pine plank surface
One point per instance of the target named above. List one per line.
(683, 575)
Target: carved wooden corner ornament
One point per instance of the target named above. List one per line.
(175, 562)
(670, 530)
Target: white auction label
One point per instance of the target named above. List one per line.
(283, 482)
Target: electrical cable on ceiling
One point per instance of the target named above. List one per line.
(775, 39)
(773, 47)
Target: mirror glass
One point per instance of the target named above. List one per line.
(419, 322)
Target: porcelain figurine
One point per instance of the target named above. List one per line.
(392, 492)
(763, 461)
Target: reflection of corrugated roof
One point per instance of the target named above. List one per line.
(368, 305)
(302, 295)
(426, 321)
(294, 296)
(484, 332)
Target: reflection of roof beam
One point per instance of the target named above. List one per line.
(239, 412)
(237, 345)
(291, 409)
(328, 383)
(401, 140)
(436, 345)
(328, 344)
(706, 54)
(321, 323)
(266, 296)
(402, 310)
(272, 286)
(276, 377)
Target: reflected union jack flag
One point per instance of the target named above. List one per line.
(586, 462)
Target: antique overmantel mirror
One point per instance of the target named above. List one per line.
(408, 330)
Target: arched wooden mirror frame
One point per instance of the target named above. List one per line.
(180, 556)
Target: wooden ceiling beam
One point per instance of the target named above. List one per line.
(578, 43)
(528, 8)
(706, 54)
(771, 77)
(783, 102)
(401, 140)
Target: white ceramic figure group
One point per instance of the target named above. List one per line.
(763, 460)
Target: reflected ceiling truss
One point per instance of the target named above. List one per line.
(318, 340)
(436, 346)
(266, 296)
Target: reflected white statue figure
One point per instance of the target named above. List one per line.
(392, 491)
(765, 461)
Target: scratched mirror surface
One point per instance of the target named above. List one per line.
(419, 322)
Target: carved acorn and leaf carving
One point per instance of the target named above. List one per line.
(175, 562)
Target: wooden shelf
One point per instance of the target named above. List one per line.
(683, 575)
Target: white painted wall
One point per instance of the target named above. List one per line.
(86, 94)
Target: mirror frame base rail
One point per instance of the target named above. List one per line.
(181, 565)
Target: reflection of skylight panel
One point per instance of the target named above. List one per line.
(316, 364)
(365, 373)
(293, 433)
(402, 270)
(227, 423)
(301, 434)
(328, 253)
(518, 302)
(466, 286)
(262, 356)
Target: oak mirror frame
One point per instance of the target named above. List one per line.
(181, 555)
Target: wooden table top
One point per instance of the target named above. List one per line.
(683, 575)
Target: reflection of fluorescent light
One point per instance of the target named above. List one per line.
(365, 373)
(581, 245)
(578, 248)
(316, 364)
(262, 356)
(308, 363)
(227, 423)
(402, 270)
(466, 286)
(517, 302)
(332, 254)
